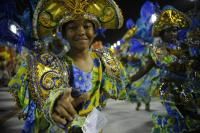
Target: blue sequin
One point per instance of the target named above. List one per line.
(30, 120)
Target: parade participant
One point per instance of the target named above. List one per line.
(135, 52)
(179, 73)
(7, 64)
(57, 94)
(140, 90)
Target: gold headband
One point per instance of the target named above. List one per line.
(170, 18)
(52, 14)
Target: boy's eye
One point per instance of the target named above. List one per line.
(71, 26)
(88, 25)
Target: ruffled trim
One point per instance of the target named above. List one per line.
(49, 104)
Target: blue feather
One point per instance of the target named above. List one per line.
(18, 13)
(130, 23)
(147, 9)
(136, 46)
(100, 32)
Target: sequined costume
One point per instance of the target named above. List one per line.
(180, 76)
(44, 77)
(94, 82)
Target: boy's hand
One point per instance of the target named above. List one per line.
(64, 109)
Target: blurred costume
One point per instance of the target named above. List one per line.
(135, 52)
(7, 64)
(178, 59)
(43, 77)
(139, 91)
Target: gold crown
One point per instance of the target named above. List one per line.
(51, 14)
(170, 18)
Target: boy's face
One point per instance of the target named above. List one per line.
(79, 33)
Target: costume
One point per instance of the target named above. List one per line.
(180, 75)
(43, 77)
(7, 64)
(136, 51)
(140, 90)
(97, 79)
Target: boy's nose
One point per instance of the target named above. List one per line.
(81, 30)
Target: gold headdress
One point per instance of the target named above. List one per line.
(51, 14)
(169, 18)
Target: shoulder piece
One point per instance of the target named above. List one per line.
(46, 73)
(112, 65)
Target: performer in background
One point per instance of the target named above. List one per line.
(176, 53)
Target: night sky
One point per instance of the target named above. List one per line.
(131, 9)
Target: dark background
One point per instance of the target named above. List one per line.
(131, 9)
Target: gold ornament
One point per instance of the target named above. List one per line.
(52, 14)
(46, 73)
(170, 18)
(130, 33)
